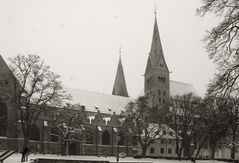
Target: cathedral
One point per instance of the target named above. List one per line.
(107, 135)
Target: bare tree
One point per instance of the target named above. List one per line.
(68, 122)
(35, 87)
(231, 107)
(222, 44)
(218, 119)
(186, 121)
(140, 120)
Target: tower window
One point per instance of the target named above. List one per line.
(164, 80)
(159, 92)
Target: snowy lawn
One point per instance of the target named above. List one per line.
(17, 157)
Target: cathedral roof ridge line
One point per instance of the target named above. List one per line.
(96, 92)
(186, 83)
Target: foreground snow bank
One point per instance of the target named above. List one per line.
(17, 157)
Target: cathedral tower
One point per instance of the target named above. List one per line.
(156, 77)
(120, 88)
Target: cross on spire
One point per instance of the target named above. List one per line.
(155, 9)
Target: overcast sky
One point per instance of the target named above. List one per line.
(80, 39)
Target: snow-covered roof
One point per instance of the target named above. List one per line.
(94, 101)
(107, 103)
(178, 88)
(181, 88)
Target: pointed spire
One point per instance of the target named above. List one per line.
(120, 87)
(156, 51)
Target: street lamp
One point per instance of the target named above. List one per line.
(117, 156)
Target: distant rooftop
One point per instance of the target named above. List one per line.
(107, 103)
(94, 101)
(181, 88)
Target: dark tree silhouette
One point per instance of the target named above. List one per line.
(222, 44)
(35, 87)
(141, 120)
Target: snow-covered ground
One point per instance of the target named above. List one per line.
(17, 157)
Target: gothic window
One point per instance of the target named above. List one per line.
(54, 134)
(34, 133)
(159, 100)
(3, 119)
(105, 138)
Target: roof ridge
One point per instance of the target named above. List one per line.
(181, 82)
(95, 92)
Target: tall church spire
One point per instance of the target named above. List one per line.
(156, 52)
(120, 87)
(156, 78)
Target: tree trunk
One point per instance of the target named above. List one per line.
(66, 148)
(178, 152)
(233, 151)
(26, 141)
(179, 156)
(143, 152)
(212, 152)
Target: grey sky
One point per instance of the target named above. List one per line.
(80, 39)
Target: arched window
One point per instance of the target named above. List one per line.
(34, 133)
(3, 119)
(54, 134)
(105, 138)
